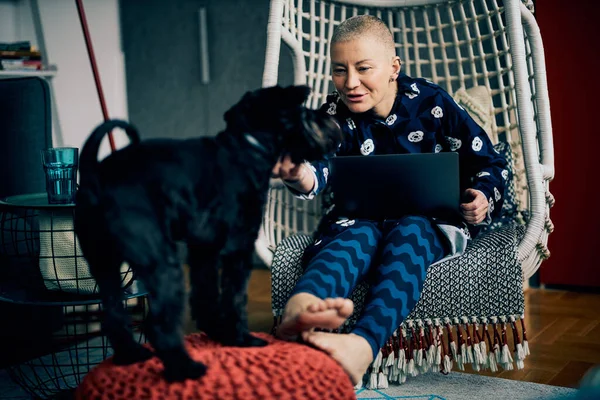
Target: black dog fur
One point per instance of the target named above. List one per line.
(209, 192)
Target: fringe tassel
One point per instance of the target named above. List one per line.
(492, 361)
(402, 378)
(378, 360)
(382, 381)
(422, 352)
(474, 340)
(525, 342)
(507, 360)
(372, 384)
(437, 359)
(451, 342)
(492, 365)
(482, 346)
(402, 361)
(497, 341)
(447, 366)
(469, 359)
(388, 361)
(411, 367)
(391, 357)
(462, 348)
(375, 367)
(431, 347)
(428, 350)
(394, 373)
(393, 369)
(402, 364)
(519, 354)
(475, 335)
(417, 352)
(412, 355)
(405, 354)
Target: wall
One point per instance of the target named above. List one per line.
(77, 105)
(7, 20)
(573, 61)
(160, 41)
(162, 92)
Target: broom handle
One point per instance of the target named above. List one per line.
(90, 50)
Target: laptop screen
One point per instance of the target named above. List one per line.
(393, 186)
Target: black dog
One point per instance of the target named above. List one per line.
(209, 192)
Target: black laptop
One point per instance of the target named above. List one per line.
(393, 186)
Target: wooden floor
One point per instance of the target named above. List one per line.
(563, 329)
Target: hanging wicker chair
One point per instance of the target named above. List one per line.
(489, 56)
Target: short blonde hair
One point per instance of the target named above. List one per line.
(360, 25)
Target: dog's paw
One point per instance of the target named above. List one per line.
(244, 340)
(132, 356)
(184, 370)
(252, 341)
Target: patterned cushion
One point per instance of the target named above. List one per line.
(477, 101)
(511, 201)
(511, 216)
(485, 281)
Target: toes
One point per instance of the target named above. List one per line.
(317, 306)
(333, 302)
(343, 307)
(348, 307)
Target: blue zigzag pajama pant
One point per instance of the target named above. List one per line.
(393, 255)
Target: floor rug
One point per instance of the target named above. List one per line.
(461, 386)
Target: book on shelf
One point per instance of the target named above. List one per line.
(12, 65)
(20, 56)
(16, 46)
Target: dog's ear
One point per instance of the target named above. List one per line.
(258, 103)
(236, 112)
(297, 94)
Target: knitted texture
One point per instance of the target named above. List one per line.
(281, 370)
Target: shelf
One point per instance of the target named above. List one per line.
(47, 73)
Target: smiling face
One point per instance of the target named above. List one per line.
(364, 72)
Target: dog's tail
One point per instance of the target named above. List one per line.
(88, 160)
(89, 154)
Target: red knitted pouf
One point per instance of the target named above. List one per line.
(280, 370)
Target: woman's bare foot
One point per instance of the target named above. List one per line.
(351, 351)
(304, 312)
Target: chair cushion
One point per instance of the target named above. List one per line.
(281, 370)
(485, 281)
(511, 213)
(26, 128)
(511, 201)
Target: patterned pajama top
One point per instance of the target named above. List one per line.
(423, 119)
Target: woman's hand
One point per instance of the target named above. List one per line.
(475, 211)
(295, 175)
(287, 170)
